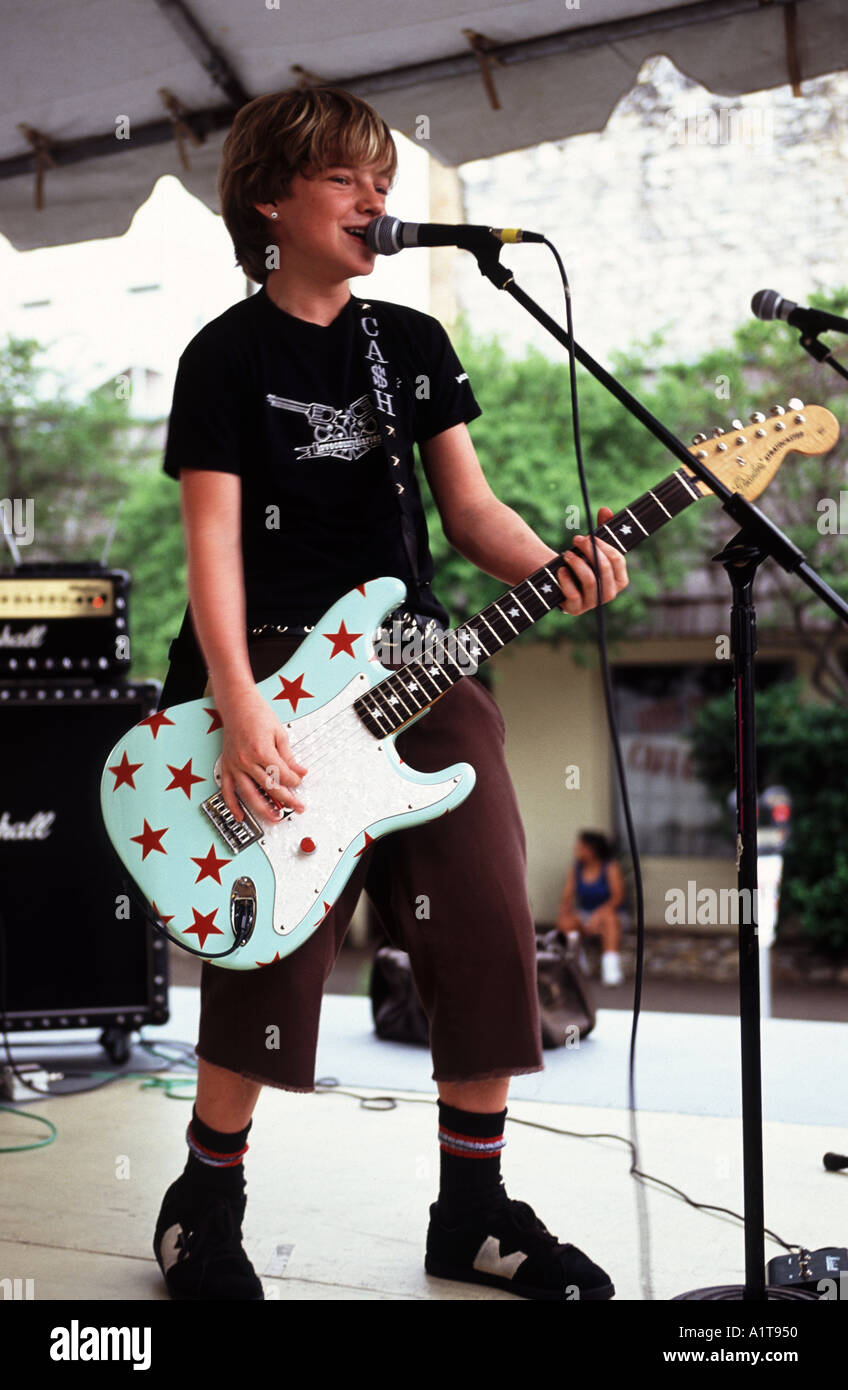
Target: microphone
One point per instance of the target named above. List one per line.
(833, 1162)
(768, 304)
(387, 235)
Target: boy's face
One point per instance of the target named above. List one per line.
(314, 221)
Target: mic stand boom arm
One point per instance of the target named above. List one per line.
(768, 537)
(757, 539)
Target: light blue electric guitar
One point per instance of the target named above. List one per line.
(245, 893)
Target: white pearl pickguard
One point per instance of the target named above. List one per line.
(353, 782)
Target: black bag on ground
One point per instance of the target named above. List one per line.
(565, 999)
(565, 996)
(395, 1006)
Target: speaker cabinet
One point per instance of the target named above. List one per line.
(76, 951)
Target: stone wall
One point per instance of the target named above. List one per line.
(671, 217)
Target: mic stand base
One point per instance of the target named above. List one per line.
(735, 1293)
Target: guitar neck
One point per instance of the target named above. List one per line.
(450, 656)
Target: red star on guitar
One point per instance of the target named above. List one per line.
(210, 865)
(124, 772)
(342, 640)
(184, 778)
(149, 840)
(293, 691)
(203, 926)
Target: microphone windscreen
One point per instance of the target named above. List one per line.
(766, 304)
(833, 1162)
(379, 235)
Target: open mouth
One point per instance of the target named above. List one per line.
(358, 232)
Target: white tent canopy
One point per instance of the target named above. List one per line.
(97, 99)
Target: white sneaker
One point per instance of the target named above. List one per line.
(611, 971)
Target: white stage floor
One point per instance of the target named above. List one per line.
(339, 1194)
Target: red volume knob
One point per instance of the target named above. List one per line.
(307, 845)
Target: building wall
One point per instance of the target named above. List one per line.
(555, 718)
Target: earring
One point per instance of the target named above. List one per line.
(274, 214)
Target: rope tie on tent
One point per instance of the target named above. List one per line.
(41, 145)
(480, 46)
(305, 78)
(182, 129)
(790, 34)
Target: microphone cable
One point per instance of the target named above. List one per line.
(635, 1171)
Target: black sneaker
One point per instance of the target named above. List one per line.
(200, 1253)
(510, 1248)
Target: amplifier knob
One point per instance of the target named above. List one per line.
(13, 663)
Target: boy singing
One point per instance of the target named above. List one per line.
(292, 494)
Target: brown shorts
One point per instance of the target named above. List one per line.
(452, 893)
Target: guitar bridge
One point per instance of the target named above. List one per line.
(236, 834)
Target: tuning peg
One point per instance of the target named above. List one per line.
(736, 425)
(778, 410)
(698, 438)
(718, 432)
(757, 417)
(740, 438)
(794, 403)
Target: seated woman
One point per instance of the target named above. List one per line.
(593, 894)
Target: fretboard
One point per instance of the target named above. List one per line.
(449, 656)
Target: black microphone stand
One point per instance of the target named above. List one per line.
(821, 352)
(757, 539)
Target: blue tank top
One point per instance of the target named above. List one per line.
(592, 895)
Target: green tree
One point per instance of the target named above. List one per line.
(93, 471)
(73, 459)
(524, 440)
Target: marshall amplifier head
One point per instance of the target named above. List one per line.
(63, 621)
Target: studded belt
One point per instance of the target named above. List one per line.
(410, 624)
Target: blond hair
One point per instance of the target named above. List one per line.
(277, 136)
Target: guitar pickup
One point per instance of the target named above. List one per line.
(236, 834)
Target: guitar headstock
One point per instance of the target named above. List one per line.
(746, 457)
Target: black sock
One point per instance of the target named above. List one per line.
(470, 1150)
(215, 1161)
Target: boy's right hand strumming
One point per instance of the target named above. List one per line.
(256, 754)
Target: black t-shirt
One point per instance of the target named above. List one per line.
(286, 405)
